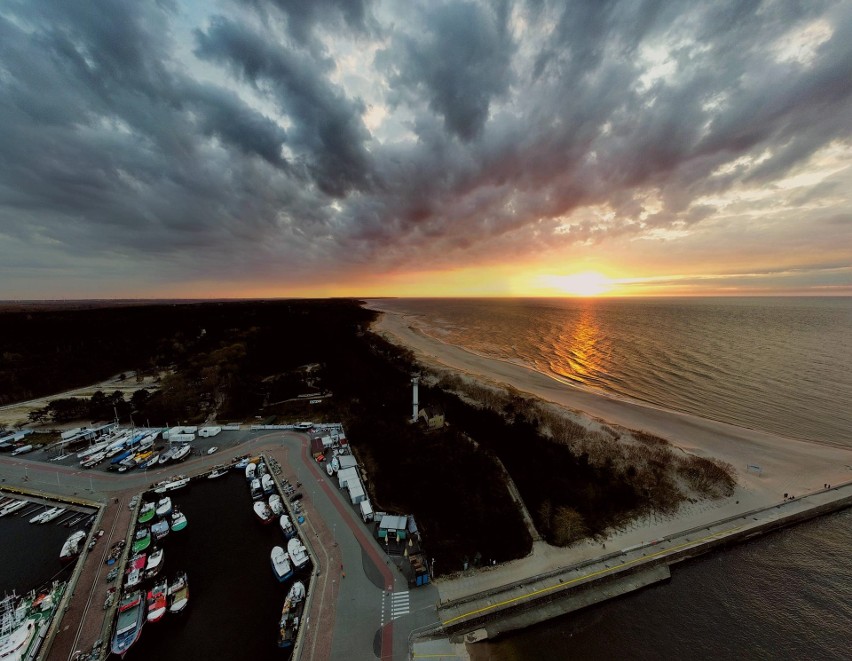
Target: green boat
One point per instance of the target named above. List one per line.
(178, 520)
(142, 540)
(147, 512)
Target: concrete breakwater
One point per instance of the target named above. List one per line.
(545, 596)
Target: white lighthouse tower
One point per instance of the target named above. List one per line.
(415, 399)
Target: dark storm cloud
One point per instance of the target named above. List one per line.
(341, 135)
(302, 17)
(457, 63)
(327, 125)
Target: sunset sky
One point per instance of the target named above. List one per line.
(346, 147)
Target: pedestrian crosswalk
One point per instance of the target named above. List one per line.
(394, 605)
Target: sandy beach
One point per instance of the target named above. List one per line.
(784, 465)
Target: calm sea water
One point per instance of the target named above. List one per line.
(782, 365)
(779, 364)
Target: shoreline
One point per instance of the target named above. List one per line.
(786, 465)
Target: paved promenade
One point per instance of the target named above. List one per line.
(469, 610)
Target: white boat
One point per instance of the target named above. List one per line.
(164, 507)
(281, 564)
(72, 547)
(263, 512)
(93, 460)
(251, 471)
(178, 521)
(178, 593)
(176, 482)
(287, 526)
(160, 529)
(165, 456)
(154, 563)
(182, 452)
(256, 490)
(298, 553)
(276, 505)
(24, 622)
(218, 471)
(49, 516)
(291, 615)
(14, 506)
(267, 484)
(92, 449)
(261, 469)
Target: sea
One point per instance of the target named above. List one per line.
(782, 365)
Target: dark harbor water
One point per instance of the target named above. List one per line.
(234, 599)
(29, 553)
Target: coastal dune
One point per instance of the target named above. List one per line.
(767, 465)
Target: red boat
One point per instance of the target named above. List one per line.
(157, 602)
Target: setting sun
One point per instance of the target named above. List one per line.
(589, 283)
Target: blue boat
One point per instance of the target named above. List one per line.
(128, 627)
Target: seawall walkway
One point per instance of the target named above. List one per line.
(535, 598)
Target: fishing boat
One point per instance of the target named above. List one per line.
(142, 540)
(72, 547)
(146, 512)
(291, 614)
(261, 469)
(157, 601)
(128, 627)
(251, 471)
(178, 521)
(263, 512)
(135, 570)
(164, 507)
(287, 526)
(182, 452)
(178, 593)
(160, 529)
(24, 622)
(14, 506)
(298, 553)
(218, 471)
(267, 484)
(256, 489)
(154, 563)
(281, 564)
(276, 505)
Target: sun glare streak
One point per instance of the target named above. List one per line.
(589, 283)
